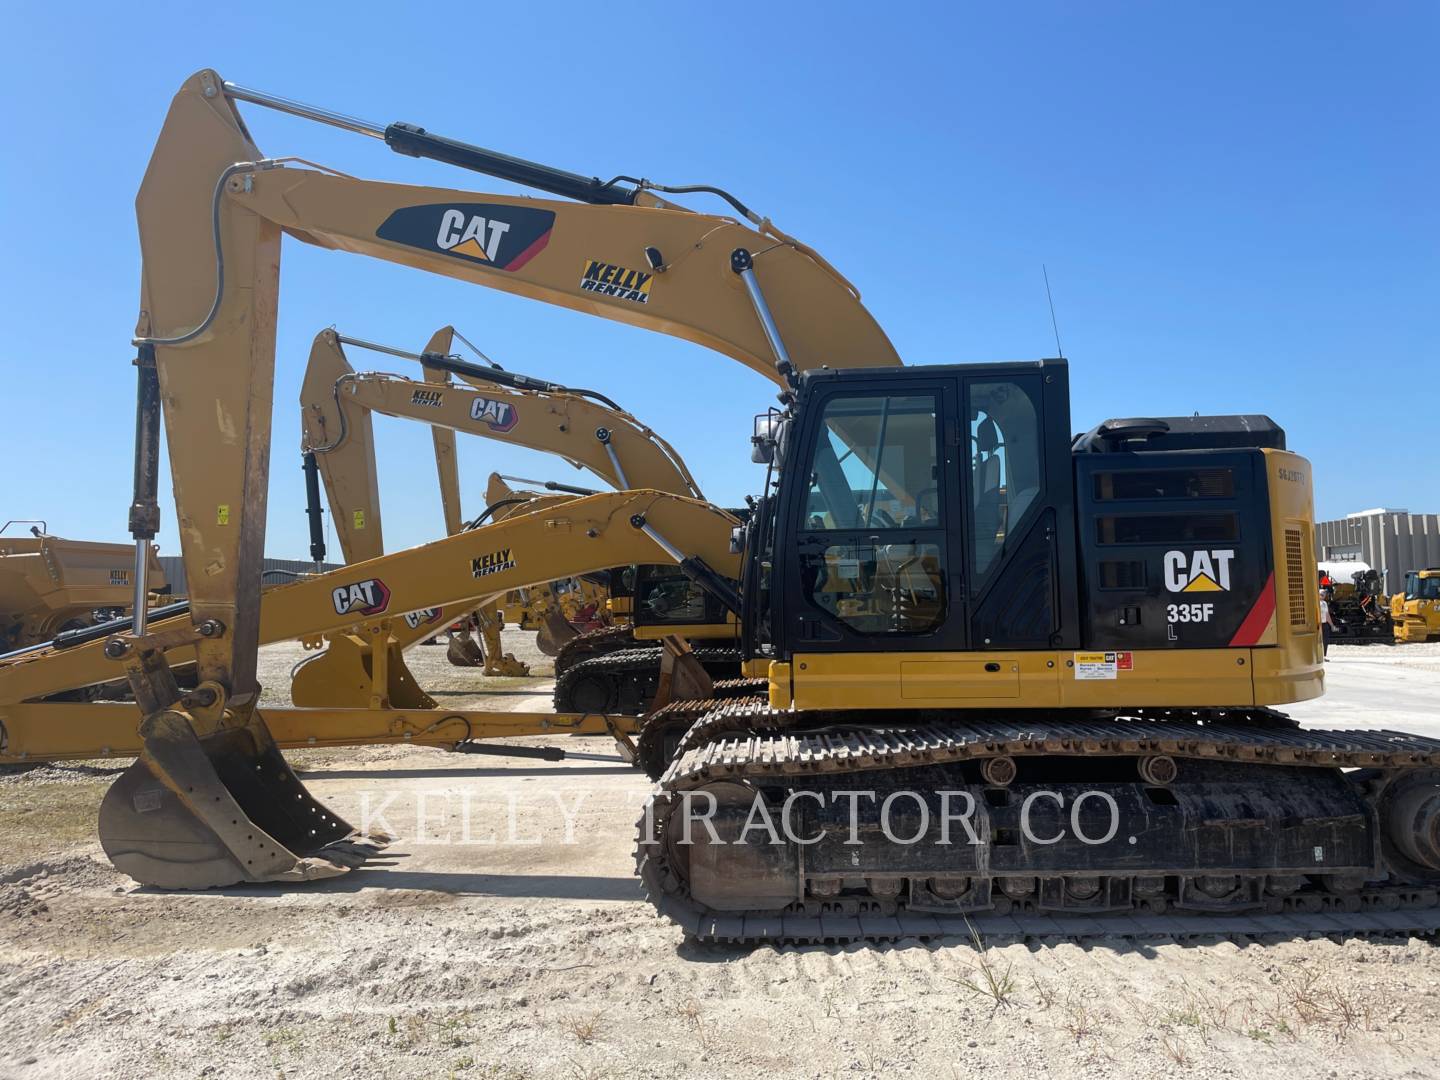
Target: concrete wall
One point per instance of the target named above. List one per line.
(1393, 543)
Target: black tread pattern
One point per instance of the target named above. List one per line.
(744, 739)
(591, 644)
(626, 679)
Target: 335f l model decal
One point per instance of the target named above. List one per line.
(496, 235)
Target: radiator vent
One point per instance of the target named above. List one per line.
(1295, 577)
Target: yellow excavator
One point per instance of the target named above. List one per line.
(558, 612)
(598, 672)
(346, 464)
(1013, 677)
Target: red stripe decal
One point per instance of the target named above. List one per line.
(1255, 623)
(530, 252)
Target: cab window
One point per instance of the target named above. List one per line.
(1005, 462)
(876, 471)
(875, 465)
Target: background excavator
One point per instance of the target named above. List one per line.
(559, 611)
(600, 672)
(343, 452)
(359, 610)
(1062, 649)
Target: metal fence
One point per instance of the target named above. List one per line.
(174, 567)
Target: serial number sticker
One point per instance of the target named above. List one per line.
(1096, 665)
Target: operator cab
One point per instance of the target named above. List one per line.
(1422, 584)
(950, 509)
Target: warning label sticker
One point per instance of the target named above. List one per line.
(1096, 665)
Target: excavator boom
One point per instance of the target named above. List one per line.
(337, 403)
(577, 536)
(418, 588)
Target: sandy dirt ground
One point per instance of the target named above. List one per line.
(505, 938)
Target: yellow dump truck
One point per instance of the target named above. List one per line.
(49, 584)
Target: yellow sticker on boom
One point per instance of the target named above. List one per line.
(222, 514)
(358, 516)
(609, 279)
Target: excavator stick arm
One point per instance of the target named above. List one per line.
(447, 464)
(343, 442)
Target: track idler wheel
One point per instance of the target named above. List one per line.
(1410, 816)
(198, 812)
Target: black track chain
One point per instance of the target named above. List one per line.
(837, 743)
(632, 666)
(654, 743)
(847, 743)
(591, 644)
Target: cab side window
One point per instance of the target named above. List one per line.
(1005, 462)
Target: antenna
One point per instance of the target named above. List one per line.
(1059, 350)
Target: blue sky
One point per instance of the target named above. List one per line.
(1236, 203)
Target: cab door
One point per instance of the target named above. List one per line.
(1017, 517)
(875, 561)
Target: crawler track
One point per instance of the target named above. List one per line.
(623, 681)
(591, 644)
(663, 731)
(742, 742)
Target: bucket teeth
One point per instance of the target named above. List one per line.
(203, 812)
(311, 870)
(350, 854)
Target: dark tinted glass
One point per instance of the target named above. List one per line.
(1166, 528)
(1165, 484)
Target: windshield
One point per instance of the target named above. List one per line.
(875, 465)
(1418, 588)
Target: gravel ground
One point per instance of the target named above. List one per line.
(489, 946)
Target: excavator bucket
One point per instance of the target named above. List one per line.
(554, 632)
(682, 676)
(199, 812)
(497, 660)
(462, 650)
(505, 665)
